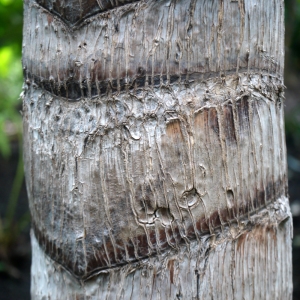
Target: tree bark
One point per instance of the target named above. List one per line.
(154, 149)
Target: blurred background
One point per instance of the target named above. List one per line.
(14, 216)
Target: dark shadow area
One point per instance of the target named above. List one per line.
(15, 267)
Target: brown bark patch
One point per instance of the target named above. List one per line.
(259, 233)
(171, 269)
(229, 123)
(173, 129)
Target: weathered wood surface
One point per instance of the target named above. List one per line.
(149, 43)
(249, 261)
(150, 125)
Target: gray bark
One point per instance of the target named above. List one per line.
(154, 149)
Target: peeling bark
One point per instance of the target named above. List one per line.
(154, 144)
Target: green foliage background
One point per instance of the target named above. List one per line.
(292, 72)
(11, 18)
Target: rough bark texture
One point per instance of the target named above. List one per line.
(153, 135)
(251, 260)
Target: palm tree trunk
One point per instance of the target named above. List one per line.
(154, 149)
